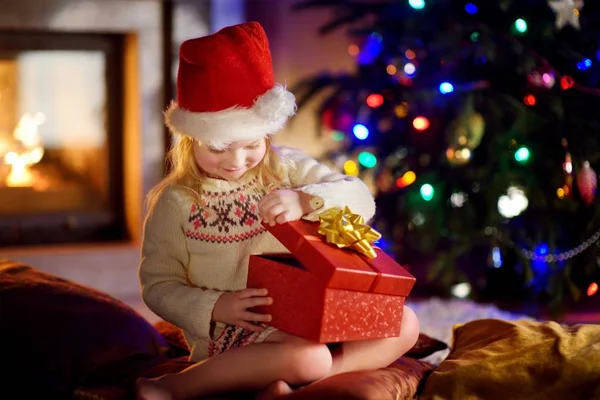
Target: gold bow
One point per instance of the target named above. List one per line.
(345, 229)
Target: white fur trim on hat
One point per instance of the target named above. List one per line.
(220, 128)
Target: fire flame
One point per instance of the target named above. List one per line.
(28, 151)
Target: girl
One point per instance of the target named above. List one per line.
(204, 221)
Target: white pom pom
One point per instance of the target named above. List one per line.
(276, 105)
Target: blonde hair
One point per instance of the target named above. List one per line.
(184, 171)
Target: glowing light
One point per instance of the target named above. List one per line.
(410, 68)
(521, 25)
(29, 152)
(407, 179)
(458, 199)
(542, 250)
(367, 159)
(496, 257)
(417, 4)
(522, 154)
(560, 193)
(461, 290)
(391, 69)
(360, 131)
(471, 8)
(566, 82)
(548, 79)
(374, 100)
(371, 49)
(421, 123)
(584, 64)
(513, 203)
(353, 50)
(592, 289)
(427, 192)
(410, 54)
(350, 168)
(401, 110)
(446, 88)
(530, 100)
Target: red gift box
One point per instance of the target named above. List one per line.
(327, 294)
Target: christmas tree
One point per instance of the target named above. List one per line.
(477, 126)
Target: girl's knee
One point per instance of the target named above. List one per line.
(409, 333)
(310, 362)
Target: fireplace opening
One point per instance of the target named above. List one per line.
(61, 141)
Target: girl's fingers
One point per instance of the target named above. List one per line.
(250, 326)
(252, 292)
(267, 203)
(257, 301)
(256, 317)
(283, 217)
(272, 213)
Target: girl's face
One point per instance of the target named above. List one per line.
(233, 162)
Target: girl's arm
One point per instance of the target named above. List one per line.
(165, 288)
(335, 189)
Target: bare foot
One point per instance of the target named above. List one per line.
(275, 390)
(150, 389)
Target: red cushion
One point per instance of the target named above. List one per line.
(401, 380)
(59, 335)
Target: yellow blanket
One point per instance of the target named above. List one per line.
(493, 359)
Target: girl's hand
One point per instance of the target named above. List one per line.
(283, 205)
(231, 308)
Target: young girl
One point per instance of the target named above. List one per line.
(205, 218)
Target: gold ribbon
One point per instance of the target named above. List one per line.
(345, 229)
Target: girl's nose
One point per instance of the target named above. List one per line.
(237, 159)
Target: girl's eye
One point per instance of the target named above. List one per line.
(215, 151)
(253, 147)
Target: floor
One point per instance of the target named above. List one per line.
(138, 305)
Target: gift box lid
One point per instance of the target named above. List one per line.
(342, 268)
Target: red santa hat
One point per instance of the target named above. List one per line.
(226, 90)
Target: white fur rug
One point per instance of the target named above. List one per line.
(438, 316)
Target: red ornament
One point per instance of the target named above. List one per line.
(566, 82)
(587, 180)
(327, 119)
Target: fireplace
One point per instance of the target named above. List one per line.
(61, 137)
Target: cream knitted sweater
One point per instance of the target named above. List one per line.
(192, 252)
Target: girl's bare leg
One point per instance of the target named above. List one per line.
(252, 367)
(280, 361)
